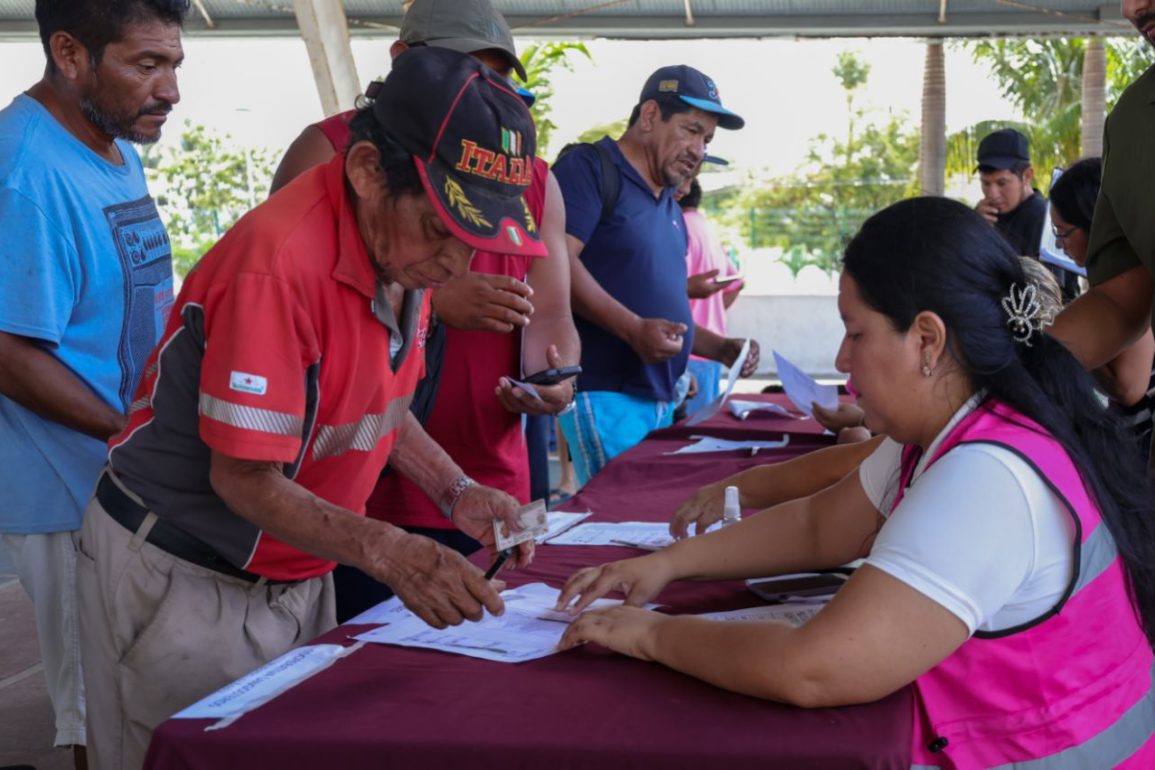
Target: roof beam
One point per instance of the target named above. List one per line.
(326, 35)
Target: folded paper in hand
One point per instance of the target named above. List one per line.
(533, 520)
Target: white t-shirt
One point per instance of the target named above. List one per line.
(980, 532)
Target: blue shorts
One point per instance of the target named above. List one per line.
(709, 377)
(603, 424)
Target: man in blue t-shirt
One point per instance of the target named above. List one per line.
(629, 268)
(85, 287)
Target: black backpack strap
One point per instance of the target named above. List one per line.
(611, 181)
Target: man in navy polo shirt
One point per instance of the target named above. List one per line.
(629, 268)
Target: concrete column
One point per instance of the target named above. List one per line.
(326, 35)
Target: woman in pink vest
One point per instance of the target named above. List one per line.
(1007, 530)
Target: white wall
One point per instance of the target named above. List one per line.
(805, 329)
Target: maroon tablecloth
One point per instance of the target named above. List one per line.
(758, 425)
(408, 708)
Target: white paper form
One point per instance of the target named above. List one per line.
(529, 629)
(801, 388)
(561, 521)
(742, 409)
(647, 535)
(711, 409)
(259, 687)
(711, 444)
(386, 612)
(796, 614)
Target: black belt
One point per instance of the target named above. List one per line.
(130, 514)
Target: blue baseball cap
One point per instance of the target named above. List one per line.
(693, 88)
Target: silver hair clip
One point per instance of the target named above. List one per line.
(1024, 312)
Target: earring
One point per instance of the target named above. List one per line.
(926, 370)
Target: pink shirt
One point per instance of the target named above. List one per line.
(703, 254)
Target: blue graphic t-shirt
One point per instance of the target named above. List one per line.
(86, 272)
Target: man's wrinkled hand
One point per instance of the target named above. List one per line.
(476, 510)
(437, 583)
(484, 302)
(656, 339)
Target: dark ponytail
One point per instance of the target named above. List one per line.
(936, 254)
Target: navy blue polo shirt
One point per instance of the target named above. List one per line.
(638, 255)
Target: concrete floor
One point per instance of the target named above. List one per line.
(26, 724)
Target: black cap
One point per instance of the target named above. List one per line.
(472, 139)
(692, 87)
(1003, 150)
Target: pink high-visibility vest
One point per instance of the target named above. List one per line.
(1070, 689)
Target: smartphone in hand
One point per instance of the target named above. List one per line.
(552, 376)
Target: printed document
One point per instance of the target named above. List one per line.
(711, 409)
(711, 444)
(529, 629)
(742, 409)
(259, 687)
(801, 388)
(647, 535)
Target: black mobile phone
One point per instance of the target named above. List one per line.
(552, 376)
(777, 589)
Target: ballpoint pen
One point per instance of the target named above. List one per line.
(497, 563)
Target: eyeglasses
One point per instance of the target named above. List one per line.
(1062, 235)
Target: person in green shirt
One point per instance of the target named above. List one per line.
(1116, 311)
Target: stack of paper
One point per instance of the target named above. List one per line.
(711, 444)
(529, 629)
(647, 535)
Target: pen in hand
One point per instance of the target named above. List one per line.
(502, 556)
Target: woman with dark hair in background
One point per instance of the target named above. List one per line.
(1129, 379)
(1004, 494)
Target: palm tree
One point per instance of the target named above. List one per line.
(1044, 80)
(1094, 96)
(932, 142)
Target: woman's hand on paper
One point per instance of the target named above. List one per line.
(701, 509)
(625, 630)
(640, 579)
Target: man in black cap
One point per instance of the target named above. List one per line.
(1011, 203)
(481, 337)
(279, 391)
(629, 267)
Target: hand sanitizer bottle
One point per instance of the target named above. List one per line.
(731, 510)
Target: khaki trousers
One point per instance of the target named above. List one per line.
(158, 633)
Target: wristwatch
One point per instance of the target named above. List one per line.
(572, 399)
(452, 494)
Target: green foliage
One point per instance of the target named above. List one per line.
(811, 215)
(1043, 79)
(541, 60)
(203, 186)
(614, 130)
